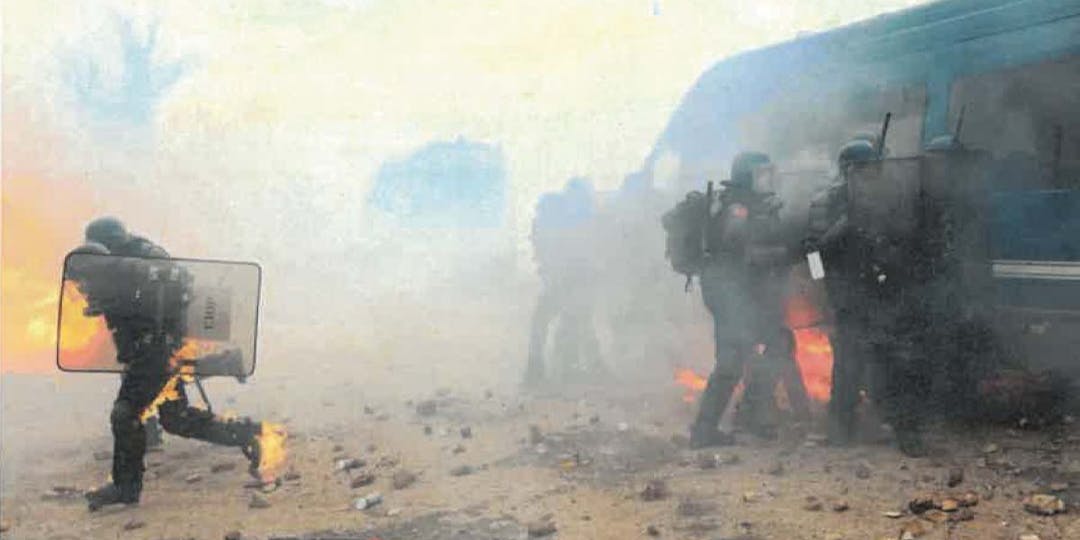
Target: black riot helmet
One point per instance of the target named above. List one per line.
(107, 231)
(77, 268)
(743, 166)
(855, 151)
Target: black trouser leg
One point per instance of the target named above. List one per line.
(847, 373)
(726, 373)
(178, 417)
(541, 322)
(137, 391)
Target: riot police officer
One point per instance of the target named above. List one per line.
(831, 235)
(144, 347)
(741, 288)
(874, 288)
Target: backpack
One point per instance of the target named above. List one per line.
(685, 228)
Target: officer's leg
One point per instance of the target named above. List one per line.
(792, 377)
(905, 391)
(178, 417)
(137, 391)
(153, 434)
(848, 358)
(541, 322)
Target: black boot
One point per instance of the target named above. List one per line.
(113, 494)
(705, 435)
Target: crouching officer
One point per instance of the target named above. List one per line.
(145, 344)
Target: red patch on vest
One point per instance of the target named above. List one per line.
(739, 211)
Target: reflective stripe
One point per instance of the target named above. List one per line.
(1052, 270)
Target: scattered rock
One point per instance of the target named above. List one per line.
(457, 449)
(337, 448)
(403, 479)
(382, 417)
(258, 501)
(234, 535)
(956, 477)
(192, 478)
(776, 468)
(913, 529)
(594, 419)
(134, 524)
(224, 466)
(680, 440)
(466, 432)
(936, 516)
(968, 498)
(840, 506)
(427, 408)
(103, 455)
(541, 528)
(813, 504)
(348, 464)
(62, 493)
(964, 514)
(427, 430)
(363, 479)
(462, 470)
(1058, 487)
(535, 435)
(363, 503)
(1029, 537)
(949, 505)
(651, 530)
(991, 449)
(1044, 505)
(691, 508)
(863, 470)
(291, 475)
(655, 490)
(893, 514)
(750, 496)
(921, 503)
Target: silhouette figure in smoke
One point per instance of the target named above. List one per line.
(563, 243)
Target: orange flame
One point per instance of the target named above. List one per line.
(692, 382)
(272, 450)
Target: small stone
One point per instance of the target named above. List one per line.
(382, 417)
(1044, 505)
(134, 524)
(258, 501)
(192, 478)
(840, 506)
(427, 430)
(893, 514)
(706, 460)
(368, 410)
(750, 496)
(541, 528)
(776, 468)
(535, 435)
(403, 479)
(813, 504)
(651, 530)
(103, 455)
(950, 505)
(936, 516)
(964, 514)
(863, 470)
(728, 459)
(1058, 487)
(913, 529)
(337, 448)
(690, 508)
(457, 449)
(466, 432)
(990, 448)
(594, 419)
(234, 535)
(956, 477)
(224, 466)
(921, 503)
(1029, 537)
(461, 470)
(348, 464)
(291, 475)
(361, 480)
(427, 408)
(393, 512)
(654, 490)
(968, 498)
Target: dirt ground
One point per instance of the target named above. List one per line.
(580, 473)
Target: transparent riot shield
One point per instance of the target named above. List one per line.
(198, 316)
(884, 196)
